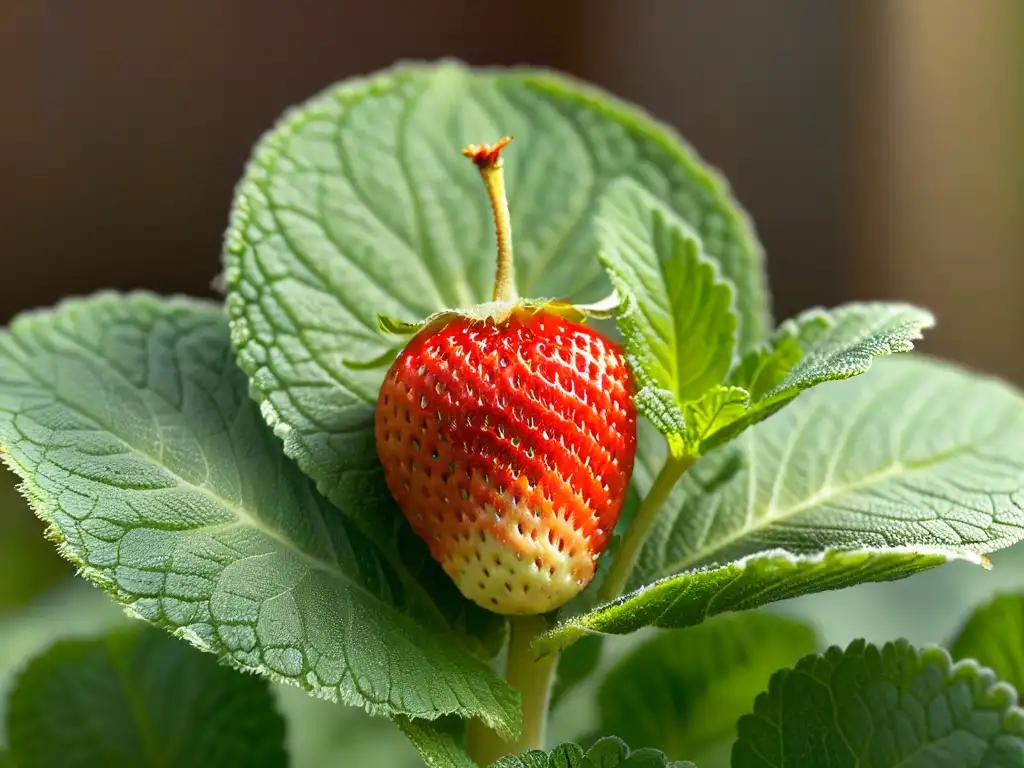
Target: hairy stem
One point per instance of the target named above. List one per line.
(614, 583)
(487, 158)
(532, 678)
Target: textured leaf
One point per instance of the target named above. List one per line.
(816, 347)
(360, 203)
(920, 456)
(683, 691)
(994, 637)
(140, 698)
(438, 745)
(882, 708)
(575, 665)
(716, 409)
(692, 597)
(608, 752)
(677, 317)
(130, 425)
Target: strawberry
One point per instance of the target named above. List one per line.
(507, 434)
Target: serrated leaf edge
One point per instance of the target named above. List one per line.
(570, 630)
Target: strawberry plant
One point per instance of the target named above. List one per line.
(408, 471)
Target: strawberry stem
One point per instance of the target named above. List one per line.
(487, 158)
(532, 678)
(615, 582)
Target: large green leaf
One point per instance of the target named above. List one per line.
(681, 692)
(677, 317)
(139, 698)
(130, 425)
(609, 752)
(882, 708)
(360, 203)
(994, 637)
(914, 464)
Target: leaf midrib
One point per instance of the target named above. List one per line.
(820, 497)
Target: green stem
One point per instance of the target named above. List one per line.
(530, 676)
(615, 582)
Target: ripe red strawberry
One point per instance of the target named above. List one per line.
(507, 438)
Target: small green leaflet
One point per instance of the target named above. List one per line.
(815, 347)
(872, 478)
(608, 752)
(359, 203)
(137, 442)
(679, 330)
(889, 707)
(677, 317)
(139, 697)
(994, 637)
(682, 692)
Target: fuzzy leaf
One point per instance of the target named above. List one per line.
(918, 463)
(690, 598)
(882, 708)
(360, 203)
(683, 691)
(994, 637)
(716, 409)
(609, 752)
(816, 347)
(131, 427)
(141, 698)
(677, 317)
(438, 743)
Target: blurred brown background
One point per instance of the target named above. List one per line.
(878, 144)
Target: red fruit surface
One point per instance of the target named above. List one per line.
(509, 447)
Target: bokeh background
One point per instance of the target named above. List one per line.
(878, 144)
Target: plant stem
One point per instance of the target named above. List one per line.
(487, 158)
(532, 678)
(673, 469)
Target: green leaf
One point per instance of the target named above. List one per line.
(882, 708)
(608, 752)
(916, 464)
(994, 637)
(359, 203)
(677, 317)
(140, 698)
(575, 665)
(130, 425)
(682, 691)
(439, 743)
(816, 347)
(717, 409)
(690, 598)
